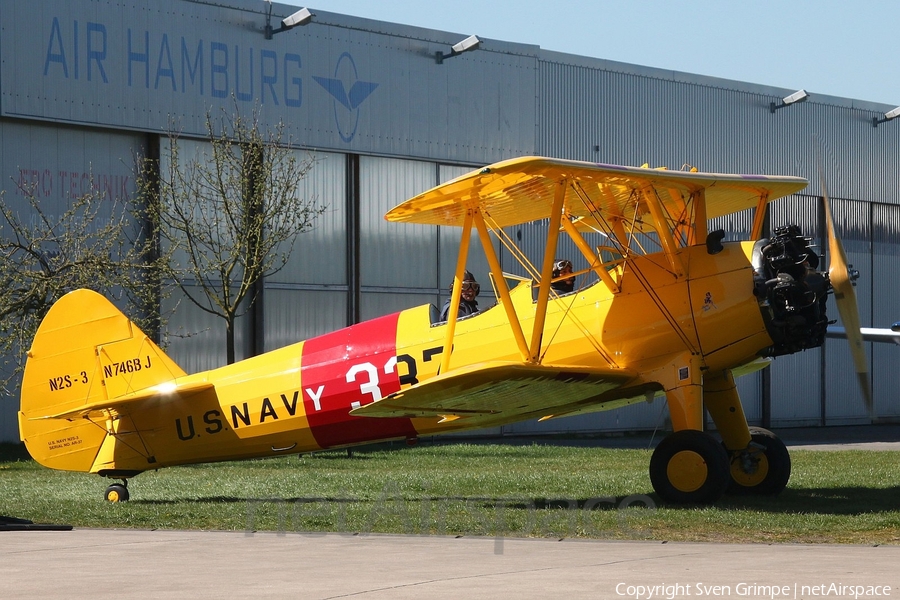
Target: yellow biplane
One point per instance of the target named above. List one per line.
(664, 308)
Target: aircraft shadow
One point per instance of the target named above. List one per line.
(824, 501)
(10, 452)
(248, 500)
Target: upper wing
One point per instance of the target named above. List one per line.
(521, 190)
(499, 392)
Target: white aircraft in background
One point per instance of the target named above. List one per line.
(869, 334)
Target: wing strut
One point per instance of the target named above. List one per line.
(616, 220)
(701, 226)
(682, 232)
(457, 290)
(502, 288)
(540, 314)
(759, 217)
(588, 252)
(662, 228)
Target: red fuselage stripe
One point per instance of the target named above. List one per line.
(354, 366)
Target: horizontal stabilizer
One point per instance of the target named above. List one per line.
(159, 392)
(490, 392)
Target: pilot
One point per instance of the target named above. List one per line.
(561, 268)
(467, 303)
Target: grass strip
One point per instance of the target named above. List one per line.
(469, 489)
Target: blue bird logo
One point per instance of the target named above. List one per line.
(345, 75)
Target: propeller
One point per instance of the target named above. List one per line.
(842, 277)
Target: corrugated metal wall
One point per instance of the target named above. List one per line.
(886, 306)
(309, 296)
(589, 113)
(396, 263)
(595, 110)
(320, 254)
(195, 339)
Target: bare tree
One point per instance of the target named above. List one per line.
(93, 243)
(229, 211)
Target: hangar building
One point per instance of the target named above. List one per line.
(85, 85)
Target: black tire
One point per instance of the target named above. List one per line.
(116, 493)
(689, 467)
(770, 466)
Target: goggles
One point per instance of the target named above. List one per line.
(561, 265)
(470, 285)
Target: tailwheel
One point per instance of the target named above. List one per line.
(117, 492)
(689, 467)
(763, 468)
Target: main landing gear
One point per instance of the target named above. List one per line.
(692, 467)
(117, 492)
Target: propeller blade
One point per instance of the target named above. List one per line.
(845, 298)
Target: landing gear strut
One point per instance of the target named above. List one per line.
(117, 492)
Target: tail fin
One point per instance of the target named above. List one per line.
(85, 355)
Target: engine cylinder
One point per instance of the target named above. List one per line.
(792, 293)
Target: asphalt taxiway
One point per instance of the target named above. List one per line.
(97, 563)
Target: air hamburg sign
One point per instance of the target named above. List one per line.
(179, 68)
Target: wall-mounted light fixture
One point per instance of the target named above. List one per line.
(889, 115)
(301, 17)
(470, 43)
(798, 96)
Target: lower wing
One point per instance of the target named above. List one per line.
(495, 392)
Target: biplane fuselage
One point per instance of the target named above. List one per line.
(638, 325)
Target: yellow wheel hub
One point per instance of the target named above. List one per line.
(687, 471)
(750, 479)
